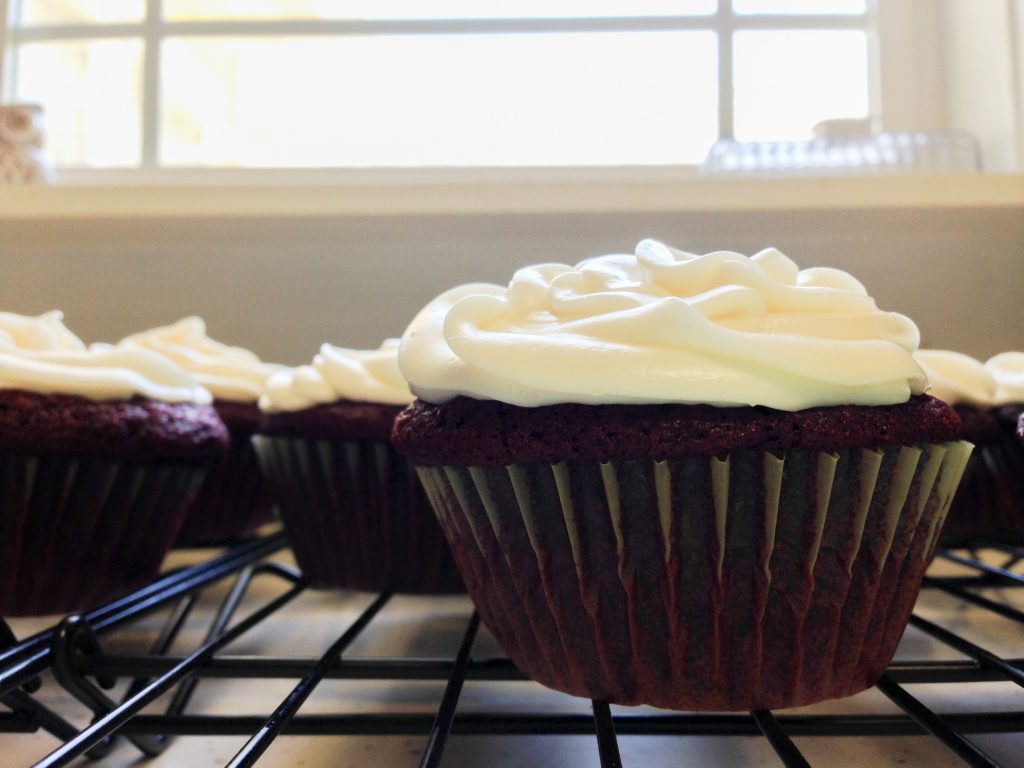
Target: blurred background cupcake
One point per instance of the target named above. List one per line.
(234, 499)
(100, 452)
(698, 482)
(354, 510)
(989, 398)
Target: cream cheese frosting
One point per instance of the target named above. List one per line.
(665, 326)
(1008, 370)
(337, 373)
(40, 355)
(45, 331)
(230, 373)
(957, 378)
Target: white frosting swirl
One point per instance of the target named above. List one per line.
(369, 375)
(956, 377)
(45, 331)
(40, 355)
(230, 373)
(1008, 370)
(665, 326)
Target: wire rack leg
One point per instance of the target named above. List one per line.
(607, 743)
(932, 723)
(446, 713)
(277, 722)
(781, 743)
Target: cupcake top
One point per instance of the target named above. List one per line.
(336, 373)
(229, 373)
(960, 379)
(38, 354)
(664, 326)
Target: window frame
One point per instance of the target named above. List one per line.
(886, 24)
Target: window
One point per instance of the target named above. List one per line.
(165, 84)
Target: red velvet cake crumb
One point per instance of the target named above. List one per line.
(468, 432)
(240, 418)
(32, 423)
(343, 420)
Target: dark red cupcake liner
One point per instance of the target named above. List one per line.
(989, 507)
(701, 583)
(356, 516)
(75, 533)
(233, 501)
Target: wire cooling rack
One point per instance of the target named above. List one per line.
(155, 686)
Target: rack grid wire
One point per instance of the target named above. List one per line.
(72, 652)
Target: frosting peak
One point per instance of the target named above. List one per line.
(230, 373)
(663, 325)
(46, 331)
(337, 373)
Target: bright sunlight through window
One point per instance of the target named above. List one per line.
(132, 84)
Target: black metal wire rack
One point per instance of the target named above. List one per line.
(72, 653)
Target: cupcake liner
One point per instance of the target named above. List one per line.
(989, 507)
(75, 533)
(356, 516)
(233, 501)
(752, 581)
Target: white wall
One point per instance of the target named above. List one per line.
(982, 44)
(912, 54)
(1017, 51)
(283, 286)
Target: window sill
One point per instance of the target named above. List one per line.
(585, 191)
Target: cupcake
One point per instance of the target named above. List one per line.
(234, 499)
(989, 398)
(354, 510)
(100, 451)
(697, 482)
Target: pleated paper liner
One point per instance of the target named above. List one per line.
(989, 507)
(75, 533)
(233, 501)
(356, 516)
(698, 583)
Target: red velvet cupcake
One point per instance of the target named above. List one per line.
(100, 452)
(355, 513)
(989, 398)
(235, 498)
(697, 482)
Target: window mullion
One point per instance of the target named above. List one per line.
(875, 89)
(429, 26)
(7, 15)
(152, 36)
(725, 26)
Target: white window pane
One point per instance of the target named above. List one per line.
(787, 81)
(37, 12)
(438, 9)
(791, 7)
(90, 92)
(546, 99)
